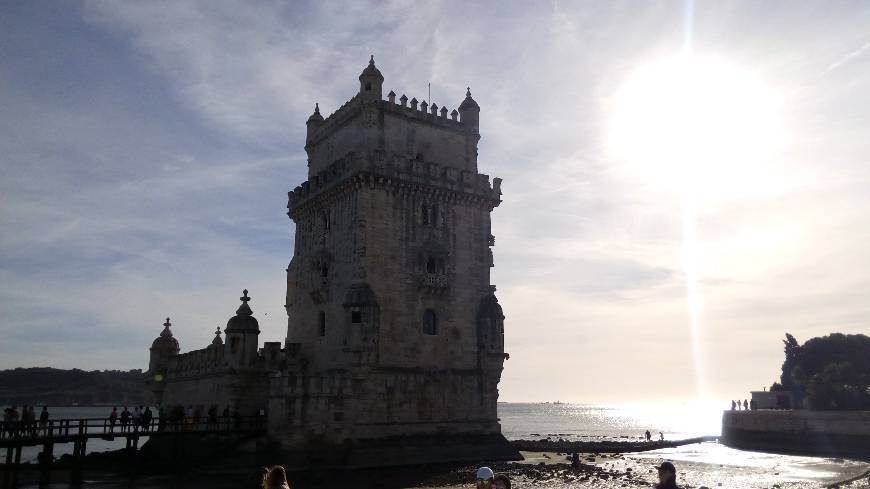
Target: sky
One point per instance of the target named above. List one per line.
(683, 183)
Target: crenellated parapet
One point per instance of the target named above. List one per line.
(409, 174)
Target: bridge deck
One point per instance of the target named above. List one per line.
(73, 430)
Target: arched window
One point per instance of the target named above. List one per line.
(234, 345)
(368, 86)
(430, 322)
(424, 214)
(321, 319)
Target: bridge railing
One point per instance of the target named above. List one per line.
(64, 428)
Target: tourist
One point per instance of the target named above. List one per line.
(275, 477)
(137, 418)
(484, 478)
(212, 417)
(13, 421)
(226, 417)
(501, 481)
(733, 406)
(6, 429)
(43, 420)
(667, 476)
(237, 418)
(125, 418)
(745, 405)
(113, 418)
(146, 418)
(648, 436)
(188, 417)
(661, 436)
(575, 460)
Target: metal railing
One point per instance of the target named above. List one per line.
(97, 427)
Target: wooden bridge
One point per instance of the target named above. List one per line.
(15, 436)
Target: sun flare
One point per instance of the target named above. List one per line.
(695, 124)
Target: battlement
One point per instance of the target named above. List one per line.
(198, 362)
(396, 168)
(419, 111)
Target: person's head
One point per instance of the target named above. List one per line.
(667, 473)
(501, 481)
(275, 477)
(484, 478)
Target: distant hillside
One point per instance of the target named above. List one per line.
(56, 387)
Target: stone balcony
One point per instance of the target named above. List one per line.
(434, 281)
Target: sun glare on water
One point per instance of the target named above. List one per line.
(702, 129)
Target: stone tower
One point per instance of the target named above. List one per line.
(394, 328)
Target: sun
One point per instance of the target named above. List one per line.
(695, 124)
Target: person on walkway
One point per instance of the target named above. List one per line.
(484, 478)
(745, 405)
(501, 481)
(125, 419)
(237, 418)
(648, 436)
(113, 418)
(147, 415)
(667, 476)
(661, 436)
(275, 477)
(4, 429)
(43, 420)
(733, 406)
(137, 418)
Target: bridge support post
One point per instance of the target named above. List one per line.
(46, 460)
(7, 473)
(76, 475)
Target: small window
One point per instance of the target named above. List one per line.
(321, 319)
(434, 218)
(430, 322)
(424, 214)
(324, 271)
(355, 317)
(234, 345)
(368, 86)
(431, 265)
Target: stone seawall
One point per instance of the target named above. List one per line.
(829, 433)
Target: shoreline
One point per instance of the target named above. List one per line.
(561, 445)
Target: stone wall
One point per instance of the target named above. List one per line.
(837, 433)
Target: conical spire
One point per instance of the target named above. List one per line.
(468, 102)
(316, 117)
(166, 333)
(217, 341)
(244, 309)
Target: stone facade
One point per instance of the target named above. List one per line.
(393, 327)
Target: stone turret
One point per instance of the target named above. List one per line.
(371, 82)
(242, 336)
(313, 123)
(162, 350)
(469, 112)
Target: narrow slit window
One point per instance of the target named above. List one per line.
(321, 319)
